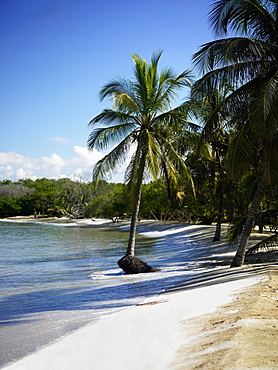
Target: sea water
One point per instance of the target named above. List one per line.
(56, 278)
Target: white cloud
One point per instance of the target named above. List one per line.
(14, 166)
(60, 140)
(86, 157)
(53, 160)
(11, 157)
(22, 173)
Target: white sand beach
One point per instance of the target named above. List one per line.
(214, 321)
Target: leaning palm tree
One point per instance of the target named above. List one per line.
(250, 62)
(142, 117)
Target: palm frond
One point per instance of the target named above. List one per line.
(251, 101)
(241, 151)
(122, 95)
(108, 117)
(135, 173)
(215, 112)
(271, 98)
(168, 87)
(140, 85)
(105, 167)
(156, 57)
(176, 164)
(269, 243)
(116, 86)
(152, 154)
(104, 137)
(264, 106)
(249, 17)
(124, 103)
(273, 162)
(236, 228)
(176, 119)
(234, 51)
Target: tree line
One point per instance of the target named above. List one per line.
(62, 197)
(77, 199)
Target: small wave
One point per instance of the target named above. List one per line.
(104, 275)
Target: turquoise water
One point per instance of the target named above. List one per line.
(55, 279)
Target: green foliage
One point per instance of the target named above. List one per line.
(9, 207)
(111, 204)
(154, 201)
(236, 228)
(49, 197)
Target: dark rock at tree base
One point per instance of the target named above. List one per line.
(133, 265)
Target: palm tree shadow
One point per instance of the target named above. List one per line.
(220, 276)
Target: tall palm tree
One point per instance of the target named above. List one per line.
(250, 62)
(141, 117)
(214, 138)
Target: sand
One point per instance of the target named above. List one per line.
(238, 335)
(225, 319)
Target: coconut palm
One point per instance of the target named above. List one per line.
(214, 138)
(250, 62)
(142, 118)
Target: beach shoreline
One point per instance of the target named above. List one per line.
(162, 332)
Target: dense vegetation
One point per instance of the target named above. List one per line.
(64, 197)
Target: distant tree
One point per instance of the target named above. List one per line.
(155, 203)
(9, 207)
(112, 204)
(15, 190)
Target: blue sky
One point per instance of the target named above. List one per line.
(55, 57)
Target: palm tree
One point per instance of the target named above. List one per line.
(214, 138)
(250, 62)
(141, 117)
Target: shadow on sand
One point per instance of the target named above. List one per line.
(222, 275)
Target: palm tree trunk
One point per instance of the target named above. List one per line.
(220, 196)
(167, 180)
(130, 263)
(133, 224)
(217, 234)
(240, 254)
